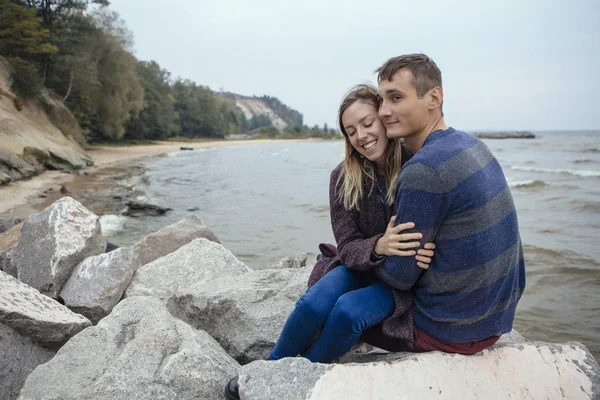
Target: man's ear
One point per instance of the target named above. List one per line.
(436, 98)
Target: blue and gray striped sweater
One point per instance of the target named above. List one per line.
(455, 192)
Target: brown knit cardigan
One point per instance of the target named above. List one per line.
(356, 233)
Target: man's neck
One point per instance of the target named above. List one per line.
(415, 142)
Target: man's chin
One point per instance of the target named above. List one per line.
(393, 133)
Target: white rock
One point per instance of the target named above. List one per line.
(34, 315)
(171, 238)
(244, 313)
(138, 352)
(97, 283)
(295, 261)
(197, 262)
(531, 370)
(53, 242)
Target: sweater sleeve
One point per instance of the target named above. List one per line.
(422, 199)
(354, 249)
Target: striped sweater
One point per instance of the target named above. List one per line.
(455, 192)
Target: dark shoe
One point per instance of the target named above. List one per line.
(231, 390)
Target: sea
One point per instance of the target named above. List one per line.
(269, 201)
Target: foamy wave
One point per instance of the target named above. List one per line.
(577, 172)
(526, 183)
(112, 223)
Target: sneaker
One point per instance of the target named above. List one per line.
(231, 389)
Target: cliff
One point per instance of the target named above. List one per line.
(281, 115)
(36, 134)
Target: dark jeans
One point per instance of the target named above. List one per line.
(342, 305)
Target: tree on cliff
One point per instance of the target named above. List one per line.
(24, 41)
(157, 118)
(57, 12)
(198, 110)
(118, 95)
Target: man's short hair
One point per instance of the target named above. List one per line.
(425, 72)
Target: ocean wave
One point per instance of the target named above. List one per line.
(315, 208)
(586, 161)
(592, 150)
(577, 172)
(593, 207)
(557, 261)
(112, 223)
(527, 184)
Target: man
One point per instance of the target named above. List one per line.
(455, 192)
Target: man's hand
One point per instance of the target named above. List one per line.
(424, 255)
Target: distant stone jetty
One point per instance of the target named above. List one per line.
(504, 135)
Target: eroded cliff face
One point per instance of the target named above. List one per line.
(33, 139)
(256, 106)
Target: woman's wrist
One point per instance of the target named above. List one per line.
(378, 252)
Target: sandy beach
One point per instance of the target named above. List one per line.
(111, 163)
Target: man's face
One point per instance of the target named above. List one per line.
(402, 111)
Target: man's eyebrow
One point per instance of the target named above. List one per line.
(389, 91)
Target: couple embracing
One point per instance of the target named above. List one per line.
(409, 186)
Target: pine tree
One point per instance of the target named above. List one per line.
(24, 42)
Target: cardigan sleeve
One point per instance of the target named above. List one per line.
(354, 249)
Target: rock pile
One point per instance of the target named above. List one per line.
(176, 315)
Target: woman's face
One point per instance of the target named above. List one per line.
(365, 130)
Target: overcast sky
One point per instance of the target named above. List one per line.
(515, 64)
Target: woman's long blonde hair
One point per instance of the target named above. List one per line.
(358, 170)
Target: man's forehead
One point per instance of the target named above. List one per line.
(387, 87)
(400, 81)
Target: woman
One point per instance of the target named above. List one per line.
(344, 298)
(345, 301)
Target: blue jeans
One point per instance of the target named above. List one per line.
(342, 304)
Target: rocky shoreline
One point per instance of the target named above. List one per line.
(176, 315)
(504, 135)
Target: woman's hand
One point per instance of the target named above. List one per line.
(395, 243)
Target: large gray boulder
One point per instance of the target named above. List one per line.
(98, 282)
(196, 262)
(18, 357)
(52, 243)
(171, 238)
(36, 316)
(244, 313)
(138, 352)
(531, 370)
